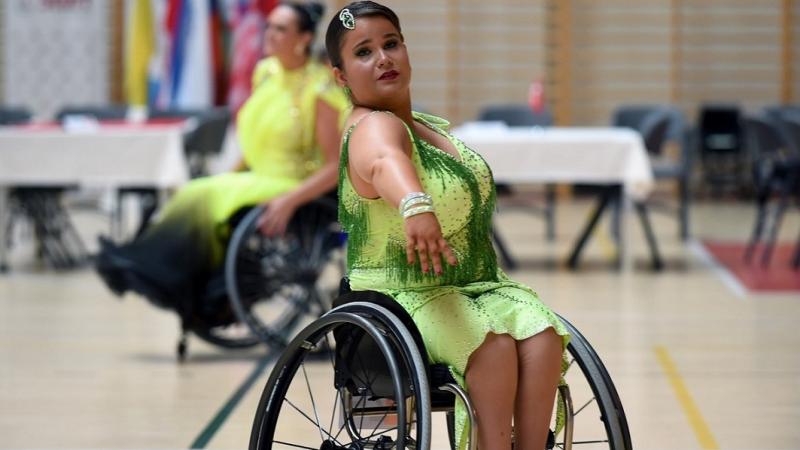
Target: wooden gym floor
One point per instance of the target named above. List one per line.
(700, 363)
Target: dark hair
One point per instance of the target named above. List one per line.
(308, 15)
(336, 30)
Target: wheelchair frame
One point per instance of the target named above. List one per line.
(412, 395)
(259, 269)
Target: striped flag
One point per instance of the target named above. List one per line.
(218, 60)
(186, 75)
(139, 49)
(248, 30)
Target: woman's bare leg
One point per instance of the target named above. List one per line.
(492, 384)
(539, 373)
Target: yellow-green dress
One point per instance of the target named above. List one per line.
(453, 311)
(177, 254)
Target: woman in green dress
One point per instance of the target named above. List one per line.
(289, 130)
(417, 206)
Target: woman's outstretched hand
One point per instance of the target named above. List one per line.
(276, 216)
(424, 239)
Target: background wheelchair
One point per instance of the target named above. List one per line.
(359, 378)
(268, 286)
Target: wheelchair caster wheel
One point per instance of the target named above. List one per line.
(181, 350)
(328, 445)
(384, 443)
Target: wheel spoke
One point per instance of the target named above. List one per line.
(590, 442)
(309, 419)
(333, 413)
(313, 403)
(584, 406)
(293, 445)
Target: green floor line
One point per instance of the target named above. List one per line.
(222, 415)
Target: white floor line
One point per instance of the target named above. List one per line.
(728, 279)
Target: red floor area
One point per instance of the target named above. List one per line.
(778, 276)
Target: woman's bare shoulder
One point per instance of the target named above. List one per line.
(376, 126)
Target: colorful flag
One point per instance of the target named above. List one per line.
(218, 60)
(186, 74)
(139, 48)
(248, 31)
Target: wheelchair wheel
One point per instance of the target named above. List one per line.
(590, 400)
(274, 283)
(233, 336)
(353, 379)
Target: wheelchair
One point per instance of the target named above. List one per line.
(269, 286)
(359, 378)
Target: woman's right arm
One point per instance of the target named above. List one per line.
(379, 159)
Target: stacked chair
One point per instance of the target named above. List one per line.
(659, 124)
(773, 140)
(204, 137)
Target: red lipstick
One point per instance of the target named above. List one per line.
(389, 75)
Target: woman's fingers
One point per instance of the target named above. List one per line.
(422, 251)
(271, 224)
(410, 251)
(424, 240)
(434, 249)
(448, 253)
(263, 222)
(430, 253)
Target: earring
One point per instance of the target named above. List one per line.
(348, 92)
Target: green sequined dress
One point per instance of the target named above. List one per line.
(453, 311)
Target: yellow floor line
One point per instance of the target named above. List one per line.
(701, 430)
(607, 245)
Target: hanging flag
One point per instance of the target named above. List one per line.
(139, 48)
(248, 36)
(186, 79)
(218, 60)
(194, 82)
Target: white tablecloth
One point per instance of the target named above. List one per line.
(109, 156)
(562, 155)
(604, 156)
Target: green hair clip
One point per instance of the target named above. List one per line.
(348, 21)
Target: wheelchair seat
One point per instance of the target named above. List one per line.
(438, 374)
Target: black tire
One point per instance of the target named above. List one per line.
(272, 282)
(281, 413)
(213, 320)
(603, 404)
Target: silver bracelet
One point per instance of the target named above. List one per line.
(414, 202)
(418, 210)
(412, 196)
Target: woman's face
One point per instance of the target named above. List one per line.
(282, 37)
(375, 63)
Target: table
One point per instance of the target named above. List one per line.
(107, 155)
(614, 158)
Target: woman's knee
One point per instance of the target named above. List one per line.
(546, 346)
(495, 349)
(499, 344)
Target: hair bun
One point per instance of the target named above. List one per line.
(315, 11)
